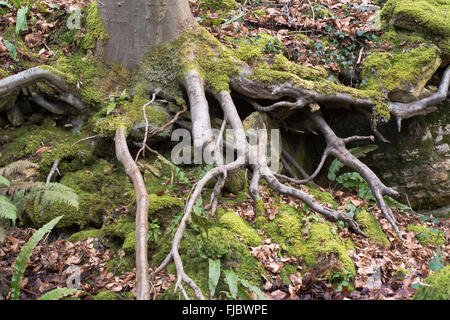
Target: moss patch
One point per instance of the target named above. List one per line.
(439, 288)
(218, 4)
(164, 208)
(371, 227)
(235, 223)
(105, 295)
(82, 235)
(427, 236)
(427, 16)
(323, 250)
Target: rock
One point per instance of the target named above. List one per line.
(15, 116)
(402, 75)
(157, 116)
(417, 162)
(253, 123)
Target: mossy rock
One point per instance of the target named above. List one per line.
(323, 250)
(27, 140)
(370, 225)
(218, 4)
(235, 182)
(105, 295)
(164, 208)
(238, 225)
(402, 75)
(216, 243)
(428, 16)
(99, 191)
(427, 236)
(439, 286)
(321, 196)
(85, 234)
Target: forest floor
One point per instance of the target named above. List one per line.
(382, 272)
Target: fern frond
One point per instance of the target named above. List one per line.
(4, 182)
(54, 192)
(17, 167)
(24, 256)
(7, 209)
(15, 187)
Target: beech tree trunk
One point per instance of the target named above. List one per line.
(135, 27)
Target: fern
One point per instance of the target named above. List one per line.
(51, 193)
(24, 256)
(7, 209)
(4, 182)
(17, 167)
(59, 293)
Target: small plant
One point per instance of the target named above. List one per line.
(153, 230)
(239, 288)
(437, 263)
(114, 101)
(25, 254)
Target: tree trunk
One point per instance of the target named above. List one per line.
(135, 27)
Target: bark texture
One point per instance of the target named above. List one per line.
(135, 27)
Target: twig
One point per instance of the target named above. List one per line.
(142, 149)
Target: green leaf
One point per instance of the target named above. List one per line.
(24, 256)
(214, 275)
(111, 107)
(435, 264)
(21, 23)
(232, 280)
(58, 293)
(4, 181)
(415, 286)
(4, 3)
(254, 289)
(7, 209)
(11, 49)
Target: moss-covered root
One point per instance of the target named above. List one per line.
(439, 286)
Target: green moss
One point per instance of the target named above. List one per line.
(164, 208)
(439, 286)
(317, 250)
(27, 140)
(385, 72)
(217, 243)
(124, 230)
(218, 4)
(402, 273)
(105, 295)
(427, 236)
(260, 208)
(258, 13)
(321, 196)
(91, 74)
(235, 223)
(286, 272)
(235, 182)
(95, 29)
(424, 15)
(369, 224)
(82, 235)
(99, 192)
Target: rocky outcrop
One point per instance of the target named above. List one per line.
(417, 162)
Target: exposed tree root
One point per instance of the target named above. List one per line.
(142, 204)
(247, 156)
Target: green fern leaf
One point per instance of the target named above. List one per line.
(7, 209)
(25, 254)
(59, 293)
(4, 182)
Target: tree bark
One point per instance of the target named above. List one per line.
(135, 27)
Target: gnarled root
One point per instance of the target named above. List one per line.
(10, 85)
